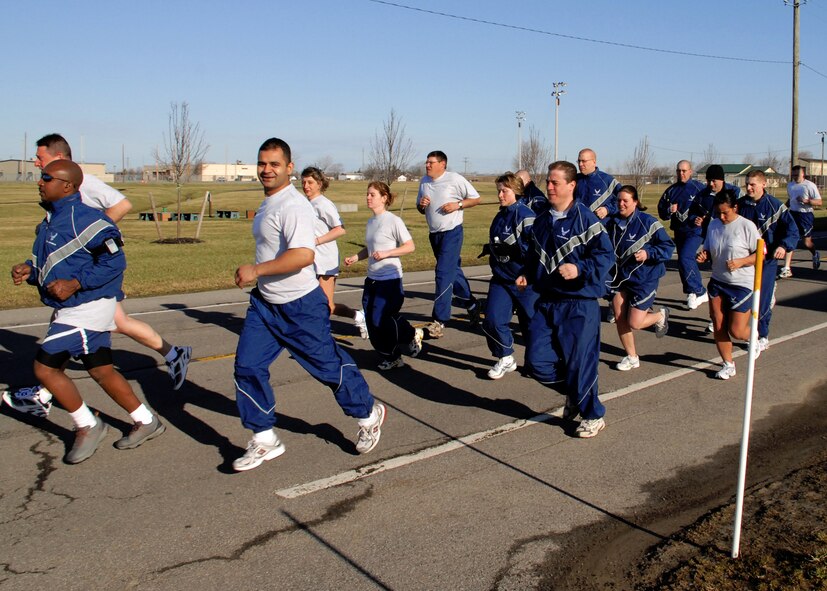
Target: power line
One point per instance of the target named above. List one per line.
(578, 38)
(692, 151)
(802, 64)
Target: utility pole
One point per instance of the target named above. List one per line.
(821, 172)
(520, 119)
(796, 4)
(465, 170)
(556, 94)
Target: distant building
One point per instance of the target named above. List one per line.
(350, 176)
(815, 169)
(25, 171)
(736, 174)
(227, 172)
(219, 173)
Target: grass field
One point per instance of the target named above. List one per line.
(156, 269)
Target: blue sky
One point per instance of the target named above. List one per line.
(323, 75)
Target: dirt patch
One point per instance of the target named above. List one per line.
(685, 542)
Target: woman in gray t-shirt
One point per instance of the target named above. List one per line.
(387, 239)
(730, 243)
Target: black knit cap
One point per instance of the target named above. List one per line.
(715, 172)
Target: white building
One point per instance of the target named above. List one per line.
(25, 171)
(209, 173)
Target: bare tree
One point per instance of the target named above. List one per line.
(184, 144)
(327, 165)
(184, 149)
(660, 174)
(774, 161)
(390, 151)
(640, 164)
(536, 155)
(711, 154)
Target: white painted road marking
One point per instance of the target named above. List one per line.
(307, 488)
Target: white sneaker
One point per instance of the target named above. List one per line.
(690, 301)
(590, 427)
(662, 325)
(177, 368)
(502, 367)
(628, 363)
(435, 329)
(258, 453)
(369, 434)
(763, 343)
(36, 400)
(361, 324)
(727, 371)
(710, 327)
(785, 273)
(415, 348)
(693, 301)
(391, 364)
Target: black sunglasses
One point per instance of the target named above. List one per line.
(47, 178)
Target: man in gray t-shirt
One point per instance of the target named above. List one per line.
(442, 198)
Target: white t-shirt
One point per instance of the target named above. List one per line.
(95, 193)
(448, 188)
(804, 189)
(284, 221)
(384, 232)
(327, 218)
(96, 315)
(735, 240)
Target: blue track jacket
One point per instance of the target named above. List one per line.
(704, 203)
(509, 240)
(684, 195)
(534, 198)
(75, 241)
(580, 239)
(774, 221)
(598, 189)
(640, 231)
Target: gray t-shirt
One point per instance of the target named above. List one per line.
(735, 240)
(797, 191)
(327, 218)
(448, 188)
(384, 232)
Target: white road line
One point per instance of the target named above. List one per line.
(307, 488)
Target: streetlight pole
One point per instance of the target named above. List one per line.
(821, 172)
(556, 94)
(520, 119)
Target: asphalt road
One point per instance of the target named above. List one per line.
(476, 484)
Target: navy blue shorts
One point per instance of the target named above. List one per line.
(641, 297)
(804, 221)
(62, 338)
(734, 297)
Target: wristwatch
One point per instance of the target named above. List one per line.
(460, 204)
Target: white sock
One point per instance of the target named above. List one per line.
(83, 417)
(370, 419)
(171, 355)
(267, 437)
(141, 415)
